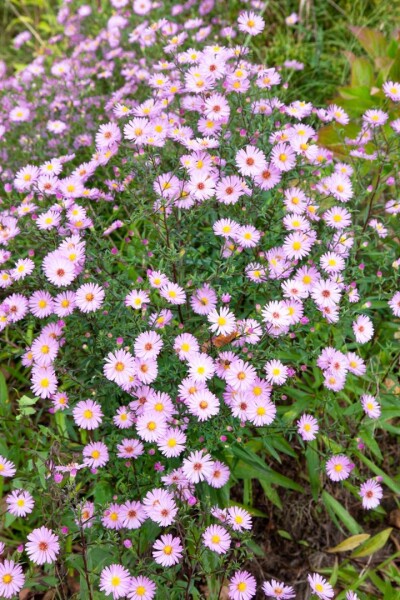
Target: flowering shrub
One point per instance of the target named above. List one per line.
(193, 289)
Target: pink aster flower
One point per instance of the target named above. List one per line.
(43, 546)
(60, 401)
(307, 427)
(151, 426)
(351, 596)
(239, 519)
(203, 300)
(85, 515)
(132, 514)
(276, 313)
(371, 406)
(22, 268)
(148, 345)
(339, 467)
(371, 493)
(185, 345)
(250, 160)
(276, 372)
(247, 236)
(217, 539)
(142, 588)
(44, 350)
(251, 23)
(277, 589)
(136, 299)
(326, 293)
(394, 304)
(120, 367)
(201, 367)
(95, 454)
(242, 586)
(355, 364)
(219, 475)
(7, 468)
(44, 382)
(363, 329)
(20, 503)
(130, 448)
(268, 177)
(260, 411)
(115, 580)
(337, 217)
(229, 189)
(87, 414)
(392, 90)
(320, 586)
(167, 551)
(58, 270)
(297, 245)
(123, 418)
(375, 117)
(173, 293)
(197, 466)
(216, 107)
(41, 304)
(283, 157)
(111, 518)
(201, 186)
(107, 135)
(203, 404)
(146, 369)
(339, 185)
(241, 375)
(64, 304)
(12, 579)
(89, 297)
(172, 443)
(223, 322)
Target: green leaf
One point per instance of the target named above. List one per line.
(262, 470)
(350, 543)
(313, 468)
(373, 42)
(271, 494)
(342, 514)
(3, 389)
(362, 72)
(26, 401)
(373, 544)
(385, 478)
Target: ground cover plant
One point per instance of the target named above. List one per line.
(199, 308)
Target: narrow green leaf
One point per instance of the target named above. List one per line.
(343, 515)
(373, 544)
(313, 468)
(350, 543)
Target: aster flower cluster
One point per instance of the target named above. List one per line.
(182, 277)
